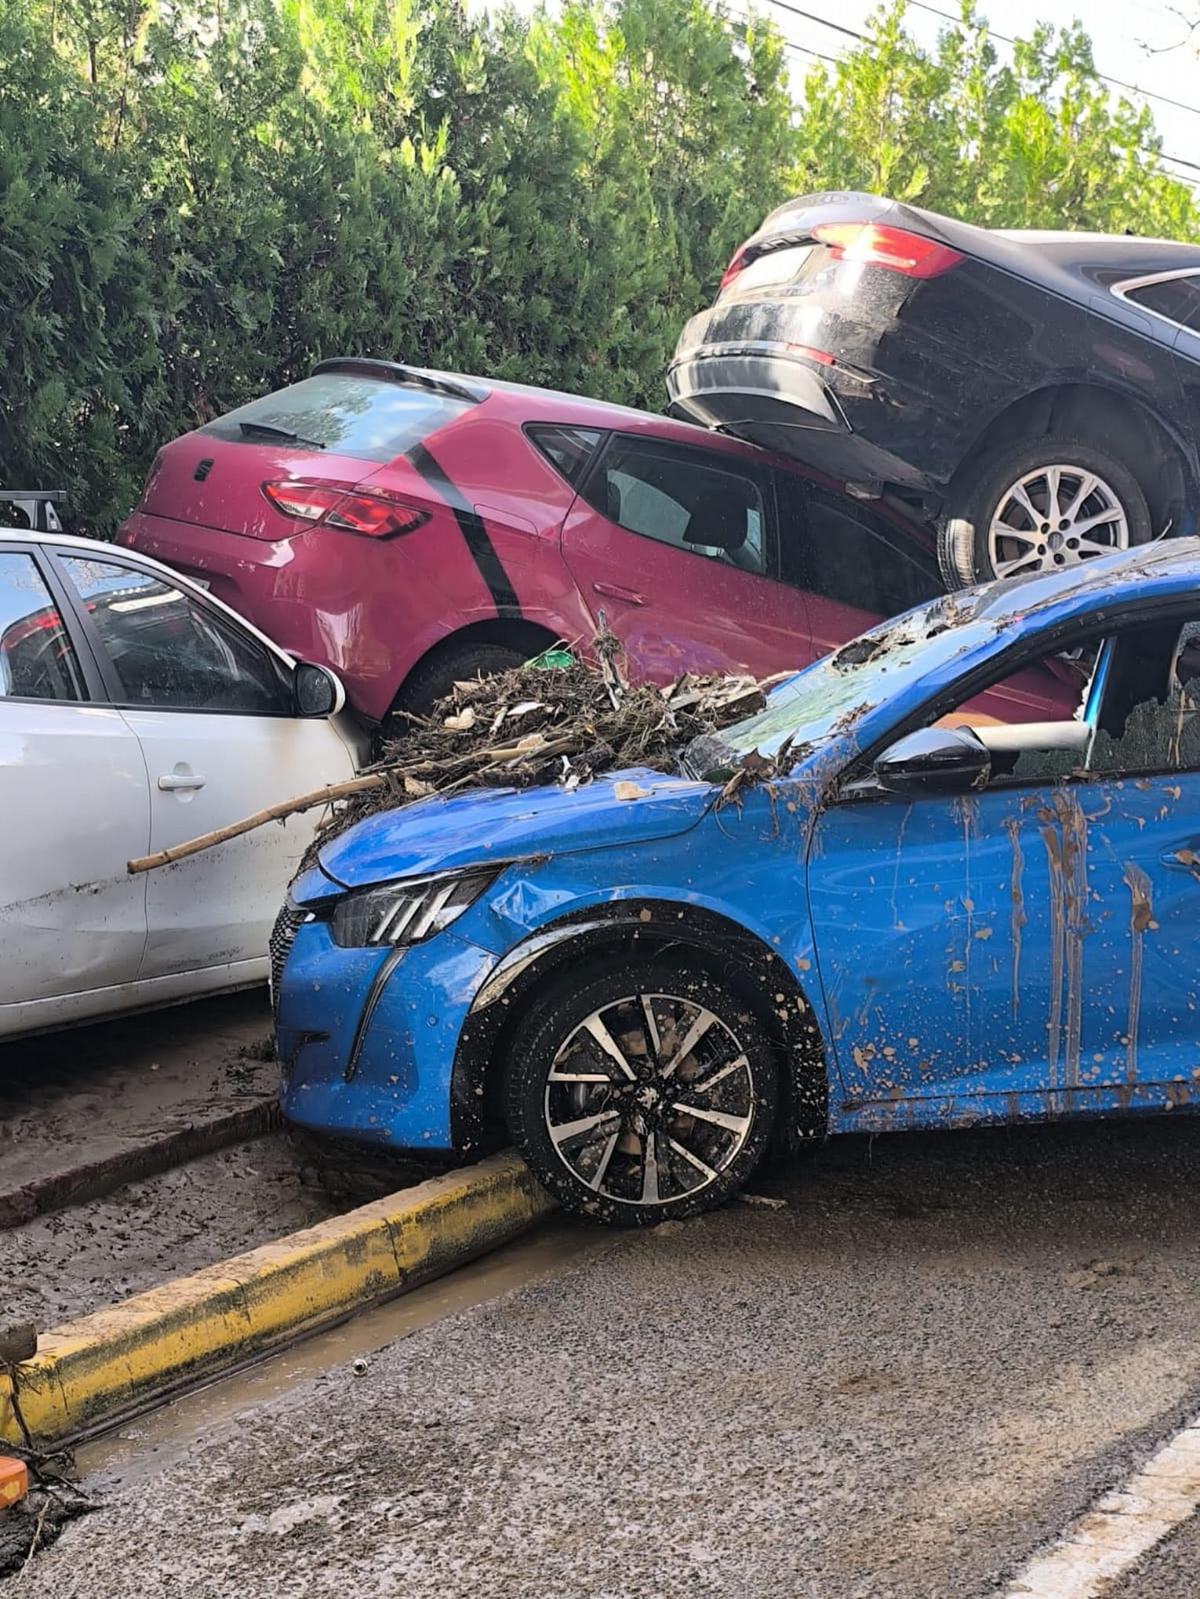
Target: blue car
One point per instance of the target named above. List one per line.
(925, 918)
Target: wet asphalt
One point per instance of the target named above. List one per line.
(898, 1383)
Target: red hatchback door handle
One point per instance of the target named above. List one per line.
(614, 591)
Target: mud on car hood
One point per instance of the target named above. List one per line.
(442, 834)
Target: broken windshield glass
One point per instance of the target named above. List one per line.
(833, 693)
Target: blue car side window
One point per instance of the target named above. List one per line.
(1138, 694)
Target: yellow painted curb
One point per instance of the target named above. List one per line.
(101, 1364)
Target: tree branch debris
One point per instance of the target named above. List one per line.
(528, 726)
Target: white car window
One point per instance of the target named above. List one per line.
(37, 660)
(170, 653)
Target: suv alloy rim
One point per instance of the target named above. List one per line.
(649, 1099)
(1055, 516)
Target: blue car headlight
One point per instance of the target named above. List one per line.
(408, 911)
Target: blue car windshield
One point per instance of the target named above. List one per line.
(830, 696)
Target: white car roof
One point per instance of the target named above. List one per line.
(28, 536)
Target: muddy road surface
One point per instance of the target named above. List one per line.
(87, 1108)
(86, 1257)
(899, 1382)
(124, 1159)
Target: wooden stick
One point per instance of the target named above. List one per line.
(273, 813)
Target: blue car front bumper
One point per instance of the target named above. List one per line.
(368, 1037)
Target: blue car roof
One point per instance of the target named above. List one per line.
(1172, 565)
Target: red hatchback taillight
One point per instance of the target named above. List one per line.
(379, 514)
(895, 249)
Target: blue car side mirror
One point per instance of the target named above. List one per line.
(938, 760)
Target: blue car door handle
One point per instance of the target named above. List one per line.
(1183, 860)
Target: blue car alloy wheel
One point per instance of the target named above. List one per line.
(644, 1094)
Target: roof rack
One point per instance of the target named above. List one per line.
(37, 506)
(436, 382)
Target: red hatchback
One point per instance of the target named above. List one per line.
(410, 527)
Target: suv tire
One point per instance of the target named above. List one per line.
(1015, 482)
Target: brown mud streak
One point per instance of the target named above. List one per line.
(1012, 826)
(1054, 861)
(1073, 823)
(968, 811)
(1141, 916)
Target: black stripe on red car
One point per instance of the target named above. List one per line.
(483, 551)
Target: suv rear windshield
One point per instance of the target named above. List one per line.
(371, 418)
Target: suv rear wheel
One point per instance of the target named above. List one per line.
(643, 1093)
(1038, 506)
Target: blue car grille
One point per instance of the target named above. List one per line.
(283, 936)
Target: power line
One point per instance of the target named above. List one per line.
(800, 49)
(1178, 159)
(851, 33)
(860, 37)
(1117, 83)
(803, 50)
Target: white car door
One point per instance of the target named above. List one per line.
(74, 805)
(211, 704)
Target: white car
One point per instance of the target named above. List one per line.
(136, 711)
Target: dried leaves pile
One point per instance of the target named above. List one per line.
(534, 725)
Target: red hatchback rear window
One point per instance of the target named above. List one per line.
(348, 413)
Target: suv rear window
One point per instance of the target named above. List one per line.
(371, 418)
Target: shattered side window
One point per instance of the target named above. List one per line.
(1038, 716)
(1161, 732)
(1141, 717)
(1147, 717)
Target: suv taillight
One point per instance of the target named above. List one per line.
(736, 264)
(871, 244)
(377, 515)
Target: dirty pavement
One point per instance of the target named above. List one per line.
(890, 1374)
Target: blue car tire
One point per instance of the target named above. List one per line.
(645, 1093)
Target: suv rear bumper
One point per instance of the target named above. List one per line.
(872, 387)
(821, 414)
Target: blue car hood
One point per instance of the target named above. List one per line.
(438, 835)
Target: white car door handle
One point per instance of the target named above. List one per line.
(176, 780)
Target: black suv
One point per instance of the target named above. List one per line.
(1038, 394)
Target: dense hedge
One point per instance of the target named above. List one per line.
(197, 201)
(200, 197)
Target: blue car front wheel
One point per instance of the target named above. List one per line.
(645, 1094)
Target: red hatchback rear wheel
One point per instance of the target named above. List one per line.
(435, 677)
